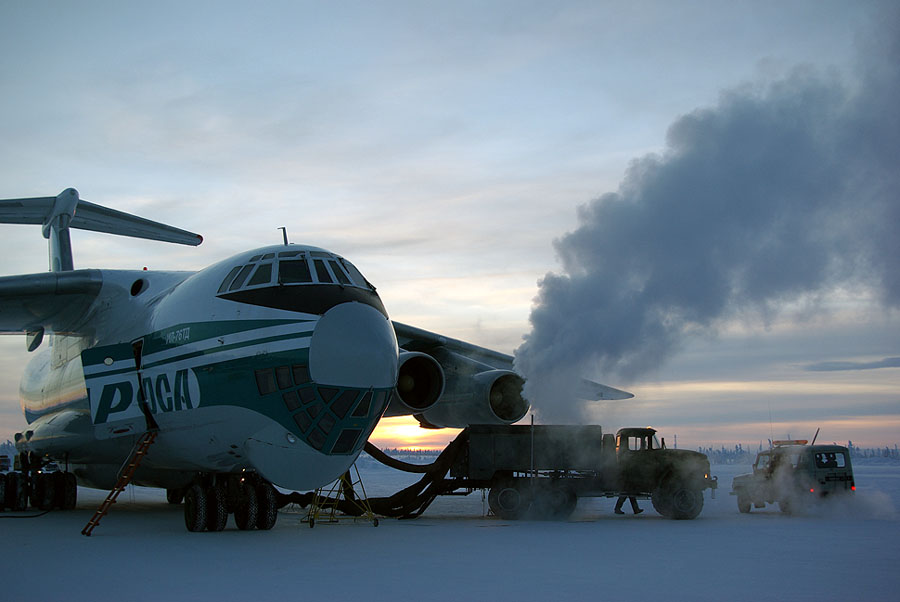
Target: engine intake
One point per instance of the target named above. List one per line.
(489, 397)
(420, 383)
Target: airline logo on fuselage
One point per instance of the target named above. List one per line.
(163, 392)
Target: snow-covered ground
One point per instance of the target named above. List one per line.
(141, 551)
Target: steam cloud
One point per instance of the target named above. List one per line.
(783, 191)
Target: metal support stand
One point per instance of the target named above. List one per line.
(339, 501)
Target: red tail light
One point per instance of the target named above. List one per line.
(852, 487)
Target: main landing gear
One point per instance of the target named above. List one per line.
(211, 498)
(32, 486)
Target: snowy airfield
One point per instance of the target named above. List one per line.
(141, 551)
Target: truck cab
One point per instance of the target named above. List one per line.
(793, 474)
(674, 479)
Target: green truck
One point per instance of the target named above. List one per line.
(792, 474)
(542, 470)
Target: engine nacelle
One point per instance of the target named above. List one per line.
(420, 384)
(488, 397)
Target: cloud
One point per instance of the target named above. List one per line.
(888, 362)
(781, 193)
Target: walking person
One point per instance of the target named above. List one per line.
(634, 505)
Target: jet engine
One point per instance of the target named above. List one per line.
(420, 383)
(474, 393)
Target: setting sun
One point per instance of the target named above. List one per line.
(405, 432)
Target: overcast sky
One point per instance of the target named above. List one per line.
(444, 147)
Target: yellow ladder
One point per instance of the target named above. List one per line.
(341, 501)
(134, 460)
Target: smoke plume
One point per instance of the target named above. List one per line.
(783, 191)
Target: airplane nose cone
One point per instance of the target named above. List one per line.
(354, 345)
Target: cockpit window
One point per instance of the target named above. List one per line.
(355, 275)
(322, 272)
(262, 275)
(294, 271)
(294, 267)
(224, 286)
(239, 279)
(338, 272)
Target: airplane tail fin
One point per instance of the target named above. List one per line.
(58, 214)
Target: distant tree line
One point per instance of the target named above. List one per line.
(415, 452)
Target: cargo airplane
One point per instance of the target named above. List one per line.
(270, 368)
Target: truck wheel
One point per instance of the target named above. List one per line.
(510, 502)
(743, 504)
(660, 500)
(785, 506)
(686, 503)
(566, 500)
(554, 502)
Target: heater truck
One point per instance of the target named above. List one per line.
(542, 470)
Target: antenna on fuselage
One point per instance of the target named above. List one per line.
(283, 233)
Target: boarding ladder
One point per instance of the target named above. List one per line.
(134, 460)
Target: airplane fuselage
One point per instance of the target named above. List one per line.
(280, 360)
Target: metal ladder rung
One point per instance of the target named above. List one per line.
(134, 460)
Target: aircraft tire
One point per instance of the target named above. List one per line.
(195, 506)
(36, 491)
(744, 504)
(16, 493)
(217, 514)
(66, 490)
(267, 511)
(43, 492)
(247, 509)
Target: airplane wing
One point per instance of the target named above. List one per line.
(54, 301)
(411, 338)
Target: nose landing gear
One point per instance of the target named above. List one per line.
(209, 501)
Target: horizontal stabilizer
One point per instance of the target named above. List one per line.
(89, 216)
(102, 219)
(588, 389)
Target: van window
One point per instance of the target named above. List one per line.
(830, 460)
